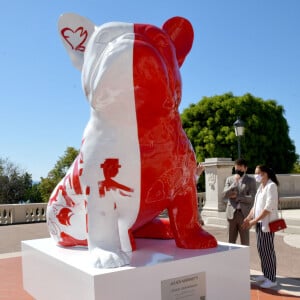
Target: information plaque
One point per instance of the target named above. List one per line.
(191, 287)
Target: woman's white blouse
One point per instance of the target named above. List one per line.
(266, 198)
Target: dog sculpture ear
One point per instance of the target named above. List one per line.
(181, 33)
(75, 31)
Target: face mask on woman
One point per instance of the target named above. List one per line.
(258, 177)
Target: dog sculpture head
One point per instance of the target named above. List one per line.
(150, 54)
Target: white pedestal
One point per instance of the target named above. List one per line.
(158, 270)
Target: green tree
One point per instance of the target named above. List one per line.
(209, 126)
(15, 184)
(33, 194)
(296, 168)
(60, 169)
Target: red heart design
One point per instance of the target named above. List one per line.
(75, 38)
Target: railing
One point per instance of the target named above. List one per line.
(22, 213)
(289, 202)
(285, 202)
(36, 212)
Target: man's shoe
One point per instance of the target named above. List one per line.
(260, 278)
(268, 284)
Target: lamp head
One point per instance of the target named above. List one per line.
(239, 127)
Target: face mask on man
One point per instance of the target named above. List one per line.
(258, 177)
(241, 173)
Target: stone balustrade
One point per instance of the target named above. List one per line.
(289, 202)
(22, 213)
(36, 212)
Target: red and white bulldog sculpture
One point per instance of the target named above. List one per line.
(135, 159)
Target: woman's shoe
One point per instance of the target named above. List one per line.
(268, 284)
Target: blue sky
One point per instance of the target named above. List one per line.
(240, 46)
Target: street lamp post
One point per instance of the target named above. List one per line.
(239, 131)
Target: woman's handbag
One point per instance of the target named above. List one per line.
(277, 225)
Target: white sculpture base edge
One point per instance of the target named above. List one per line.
(157, 268)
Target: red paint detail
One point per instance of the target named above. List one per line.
(69, 241)
(124, 194)
(81, 157)
(110, 169)
(53, 198)
(74, 182)
(62, 188)
(87, 190)
(67, 34)
(86, 217)
(86, 222)
(68, 178)
(132, 240)
(64, 216)
(67, 198)
(76, 176)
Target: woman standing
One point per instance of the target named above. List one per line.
(265, 210)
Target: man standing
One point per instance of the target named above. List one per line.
(239, 193)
